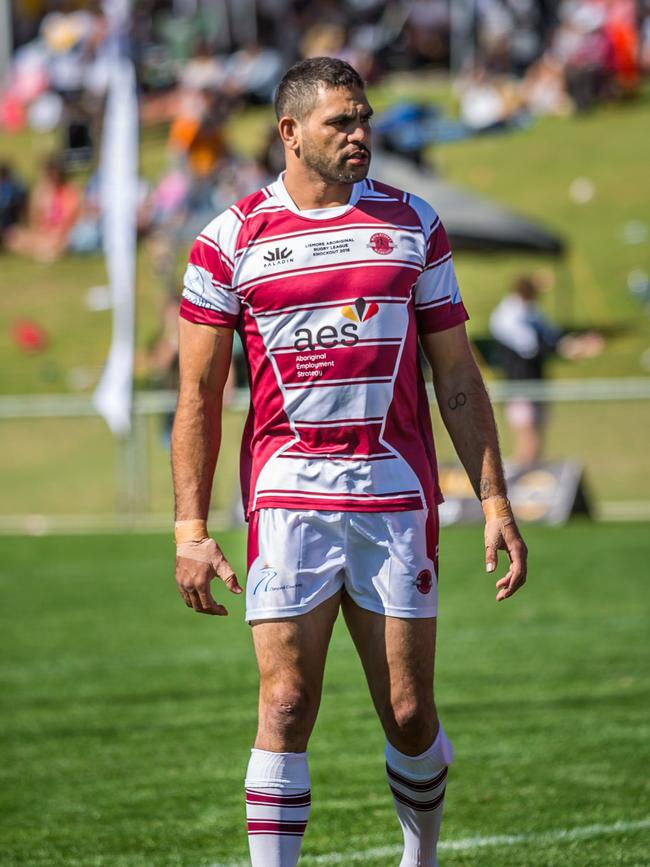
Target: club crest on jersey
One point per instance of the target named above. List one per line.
(381, 243)
(424, 581)
(361, 310)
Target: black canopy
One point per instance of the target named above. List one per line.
(472, 223)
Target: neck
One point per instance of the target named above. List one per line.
(309, 191)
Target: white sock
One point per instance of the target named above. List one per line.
(278, 799)
(418, 787)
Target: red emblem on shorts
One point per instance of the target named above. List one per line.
(424, 581)
(381, 243)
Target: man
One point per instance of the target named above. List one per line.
(526, 340)
(330, 279)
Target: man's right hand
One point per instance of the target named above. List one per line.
(197, 563)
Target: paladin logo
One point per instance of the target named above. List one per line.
(273, 257)
(381, 243)
(360, 311)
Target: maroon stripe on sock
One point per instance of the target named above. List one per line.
(276, 833)
(424, 786)
(268, 826)
(303, 799)
(417, 805)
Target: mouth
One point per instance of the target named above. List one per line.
(358, 158)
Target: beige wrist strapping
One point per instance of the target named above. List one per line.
(497, 506)
(194, 530)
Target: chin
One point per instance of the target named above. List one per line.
(354, 175)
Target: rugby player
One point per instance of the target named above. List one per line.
(333, 280)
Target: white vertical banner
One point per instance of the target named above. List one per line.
(118, 175)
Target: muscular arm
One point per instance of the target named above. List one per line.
(204, 354)
(467, 413)
(466, 409)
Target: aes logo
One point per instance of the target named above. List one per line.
(328, 336)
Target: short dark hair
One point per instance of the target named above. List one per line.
(297, 92)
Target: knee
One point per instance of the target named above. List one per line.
(288, 711)
(412, 725)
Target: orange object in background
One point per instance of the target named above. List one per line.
(202, 144)
(624, 42)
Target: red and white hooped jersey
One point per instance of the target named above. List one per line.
(329, 304)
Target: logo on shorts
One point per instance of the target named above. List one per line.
(267, 575)
(424, 581)
(381, 243)
(360, 311)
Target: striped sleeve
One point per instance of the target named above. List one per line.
(438, 304)
(208, 296)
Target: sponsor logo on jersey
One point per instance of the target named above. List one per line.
(278, 256)
(381, 243)
(424, 581)
(329, 336)
(360, 311)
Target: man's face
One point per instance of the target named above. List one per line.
(335, 137)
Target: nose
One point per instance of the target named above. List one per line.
(360, 134)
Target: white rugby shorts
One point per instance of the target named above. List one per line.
(386, 561)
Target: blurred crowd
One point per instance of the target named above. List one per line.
(200, 61)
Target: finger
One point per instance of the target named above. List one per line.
(506, 592)
(194, 599)
(227, 574)
(491, 558)
(185, 596)
(209, 604)
(512, 580)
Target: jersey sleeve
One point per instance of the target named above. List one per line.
(208, 294)
(438, 304)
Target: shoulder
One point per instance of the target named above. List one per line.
(380, 192)
(225, 228)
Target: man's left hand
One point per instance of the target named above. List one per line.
(502, 533)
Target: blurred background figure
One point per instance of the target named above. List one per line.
(54, 206)
(13, 199)
(526, 340)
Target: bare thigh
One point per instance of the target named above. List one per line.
(291, 655)
(398, 655)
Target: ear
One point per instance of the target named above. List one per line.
(289, 129)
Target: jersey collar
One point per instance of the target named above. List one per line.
(280, 192)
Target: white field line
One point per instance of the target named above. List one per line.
(561, 835)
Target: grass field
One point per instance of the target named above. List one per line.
(127, 719)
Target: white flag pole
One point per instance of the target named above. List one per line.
(118, 173)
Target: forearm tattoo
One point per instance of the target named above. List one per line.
(486, 489)
(457, 400)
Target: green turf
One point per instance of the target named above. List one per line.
(127, 719)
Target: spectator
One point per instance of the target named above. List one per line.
(54, 206)
(543, 90)
(196, 136)
(13, 198)
(526, 339)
